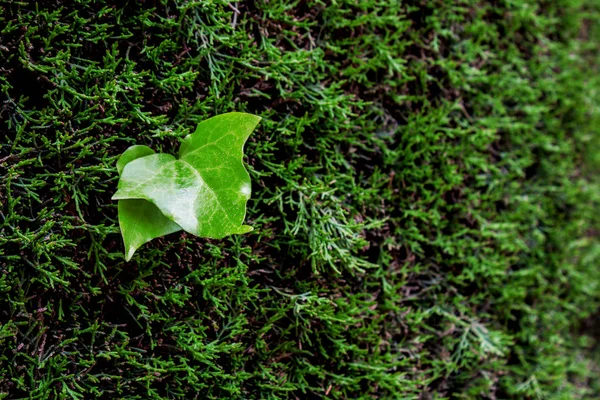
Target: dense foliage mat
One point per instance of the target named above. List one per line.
(424, 200)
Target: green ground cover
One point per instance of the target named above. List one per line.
(425, 200)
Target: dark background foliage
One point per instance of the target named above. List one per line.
(425, 200)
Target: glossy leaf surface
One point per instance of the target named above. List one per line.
(204, 191)
(132, 153)
(140, 221)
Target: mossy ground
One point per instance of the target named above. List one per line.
(425, 199)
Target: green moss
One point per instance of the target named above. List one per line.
(425, 199)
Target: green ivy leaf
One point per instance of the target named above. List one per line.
(204, 191)
(132, 153)
(140, 220)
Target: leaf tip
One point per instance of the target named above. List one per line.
(130, 252)
(245, 229)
